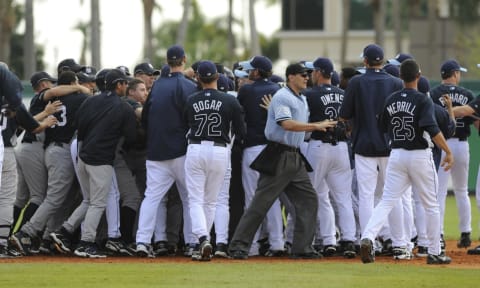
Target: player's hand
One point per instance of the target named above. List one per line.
(447, 162)
(447, 100)
(266, 100)
(325, 124)
(53, 107)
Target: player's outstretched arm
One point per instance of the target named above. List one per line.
(62, 90)
(447, 161)
(292, 125)
(50, 108)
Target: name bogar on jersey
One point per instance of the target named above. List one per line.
(405, 116)
(460, 96)
(210, 114)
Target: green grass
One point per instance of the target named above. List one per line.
(452, 231)
(235, 274)
(301, 274)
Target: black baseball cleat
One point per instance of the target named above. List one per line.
(465, 240)
(308, 255)
(474, 251)
(239, 254)
(366, 251)
(438, 259)
(22, 242)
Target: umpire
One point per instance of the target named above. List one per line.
(283, 168)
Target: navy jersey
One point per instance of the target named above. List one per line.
(162, 117)
(460, 96)
(65, 128)
(324, 102)
(102, 120)
(406, 116)
(363, 103)
(9, 127)
(36, 106)
(250, 97)
(210, 114)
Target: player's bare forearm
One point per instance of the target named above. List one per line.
(63, 90)
(462, 111)
(447, 161)
(293, 125)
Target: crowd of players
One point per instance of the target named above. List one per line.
(156, 201)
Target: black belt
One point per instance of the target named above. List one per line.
(219, 144)
(283, 147)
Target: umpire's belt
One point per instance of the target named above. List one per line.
(210, 143)
(283, 147)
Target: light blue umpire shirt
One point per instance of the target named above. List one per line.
(286, 105)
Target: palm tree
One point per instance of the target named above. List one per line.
(95, 32)
(231, 37)
(29, 63)
(148, 6)
(255, 43)
(83, 28)
(379, 21)
(345, 28)
(7, 24)
(182, 28)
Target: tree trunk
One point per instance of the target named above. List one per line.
(345, 28)
(397, 26)
(432, 22)
(379, 21)
(29, 63)
(7, 23)
(231, 37)
(95, 34)
(182, 28)
(255, 43)
(147, 26)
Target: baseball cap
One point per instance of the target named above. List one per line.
(222, 83)
(69, 64)
(206, 69)
(322, 64)
(85, 78)
(399, 59)
(423, 85)
(100, 79)
(145, 68)
(124, 69)
(392, 69)
(257, 62)
(113, 76)
(165, 71)
(240, 73)
(335, 79)
(451, 65)
(175, 52)
(295, 68)
(373, 52)
(38, 77)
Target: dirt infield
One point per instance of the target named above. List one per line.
(460, 259)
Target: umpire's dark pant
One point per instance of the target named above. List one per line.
(291, 177)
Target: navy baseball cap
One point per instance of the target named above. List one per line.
(222, 83)
(206, 69)
(145, 68)
(322, 64)
(451, 65)
(38, 77)
(69, 65)
(399, 59)
(423, 85)
(165, 71)
(392, 69)
(175, 52)
(373, 52)
(124, 69)
(257, 62)
(335, 79)
(85, 78)
(295, 68)
(115, 75)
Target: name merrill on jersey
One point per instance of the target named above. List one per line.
(401, 106)
(207, 105)
(332, 98)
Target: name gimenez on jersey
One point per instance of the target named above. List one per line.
(332, 98)
(401, 106)
(207, 105)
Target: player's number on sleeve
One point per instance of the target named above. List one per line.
(62, 116)
(211, 122)
(403, 128)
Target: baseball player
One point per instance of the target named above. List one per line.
(210, 115)
(408, 117)
(451, 74)
(250, 96)
(363, 102)
(328, 154)
(471, 109)
(11, 90)
(59, 166)
(166, 147)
